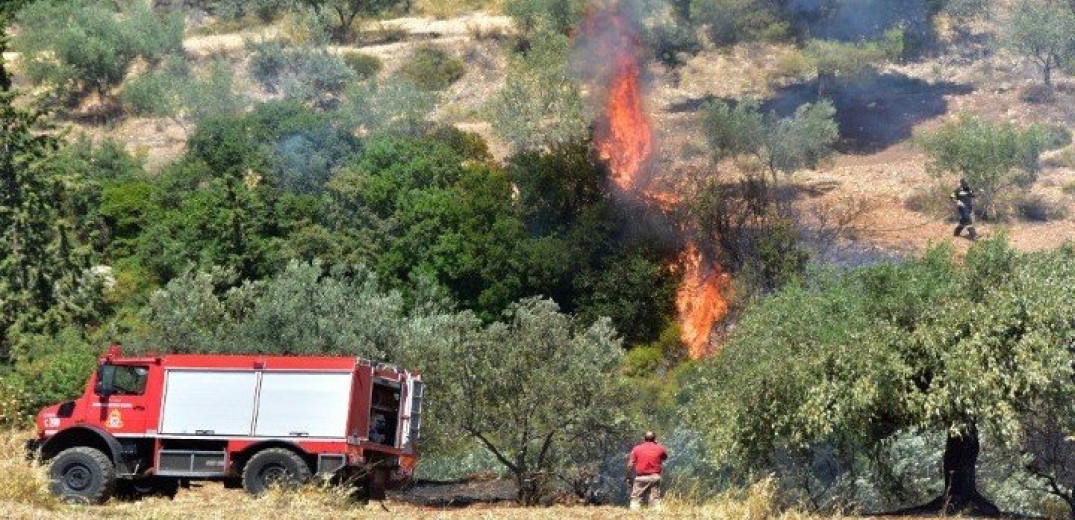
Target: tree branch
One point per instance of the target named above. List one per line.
(489, 445)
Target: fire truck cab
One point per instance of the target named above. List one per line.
(144, 425)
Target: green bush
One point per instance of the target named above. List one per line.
(49, 368)
(729, 22)
(1055, 136)
(87, 46)
(306, 73)
(533, 16)
(432, 69)
(263, 10)
(1038, 208)
(540, 105)
(673, 43)
(995, 158)
(393, 106)
(364, 65)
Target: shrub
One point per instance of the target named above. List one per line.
(364, 65)
(49, 368)
(673, 44)
(345, 13)
(533, 16)
(264, 10)
(783, 145)
(307, 73)
(1039, 208)
(1054, 136)
(394, 106)
(87, 46)
(1068, 188)
(931, 200)
(432, 69)
(540, 105)
(176, 91)
(994, 157)
(1038, 94)
(731, 21)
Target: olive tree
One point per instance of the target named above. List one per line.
(1043, 31)
(539, 390)
(992, 157)
(345, 12)
(540, 104)
(88, 46)
(305, 309)
(781, 145)
(851, 360)
(834, 59)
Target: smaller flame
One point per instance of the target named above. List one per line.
(700, 301)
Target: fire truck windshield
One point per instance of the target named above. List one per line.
(123, 380)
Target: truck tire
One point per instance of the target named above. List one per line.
(82, 475)
(274, 467)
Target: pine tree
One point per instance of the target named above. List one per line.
(44, 279)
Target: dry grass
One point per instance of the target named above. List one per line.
(21, 481)
(24, 495)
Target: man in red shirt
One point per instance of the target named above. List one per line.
(645, 461)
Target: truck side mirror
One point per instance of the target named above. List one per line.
(104, 387)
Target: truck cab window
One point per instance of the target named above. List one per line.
(125, 380)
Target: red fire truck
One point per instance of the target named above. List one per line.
(146, 424)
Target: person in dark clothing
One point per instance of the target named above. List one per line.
(964, 200)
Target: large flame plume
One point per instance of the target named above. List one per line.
(623, 138)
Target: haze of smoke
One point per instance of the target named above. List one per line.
(853, 20)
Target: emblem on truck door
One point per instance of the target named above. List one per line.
(115, 419)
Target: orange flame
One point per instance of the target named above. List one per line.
(623, 138)
(626, 140)
(700, 301)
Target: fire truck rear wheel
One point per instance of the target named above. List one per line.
(274, 467)
(82, 475)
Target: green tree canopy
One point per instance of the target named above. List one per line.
(992, 157)
(540, 104)
(537, 390)
(851, 359)
(781, 145)
(87, 46)
(44, 277)
(346, 12)
(1042, 31)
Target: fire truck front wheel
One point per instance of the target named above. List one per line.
(82, 475)
(274, 467)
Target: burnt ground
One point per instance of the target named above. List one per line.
(459, 493)
(875, 112)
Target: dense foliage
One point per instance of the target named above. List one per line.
(87, 46)
(848, 361)
(1044, 32)
(992, 157)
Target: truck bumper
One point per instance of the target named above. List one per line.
(33, 449)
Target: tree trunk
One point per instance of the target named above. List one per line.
(529, 493)
(826, 84)
(960, 480)
(960, 475)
